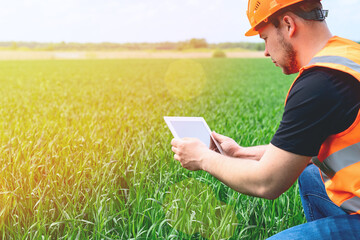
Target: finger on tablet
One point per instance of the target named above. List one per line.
(174, 149)
(218, 137)
(174, 142)
(213, 145)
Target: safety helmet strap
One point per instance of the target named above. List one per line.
(316, 14)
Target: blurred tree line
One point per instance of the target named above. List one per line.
(194, 43)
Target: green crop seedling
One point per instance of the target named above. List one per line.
(85, 152)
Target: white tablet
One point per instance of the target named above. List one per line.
(194, 127)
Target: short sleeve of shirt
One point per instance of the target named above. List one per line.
(322, 102)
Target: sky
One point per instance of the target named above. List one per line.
(123, 21)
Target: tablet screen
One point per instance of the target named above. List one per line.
(193, 129)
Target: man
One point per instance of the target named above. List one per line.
(321, 122)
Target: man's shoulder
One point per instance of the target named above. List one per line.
(323, 72)
(323, 76)
(321, 84)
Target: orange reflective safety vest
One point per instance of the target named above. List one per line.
(339, 155)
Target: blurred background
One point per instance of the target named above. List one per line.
(88, 27)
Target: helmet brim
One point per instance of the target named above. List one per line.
(251, 32)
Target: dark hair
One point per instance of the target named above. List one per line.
(307, 9)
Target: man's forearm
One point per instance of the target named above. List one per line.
(268, 178)
(254, 153)
(242, 175)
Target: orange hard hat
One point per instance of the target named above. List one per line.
(260, 10)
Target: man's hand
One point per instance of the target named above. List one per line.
(228, 145)
(232, 149)
(190, 152)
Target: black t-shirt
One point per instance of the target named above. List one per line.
(322, 102)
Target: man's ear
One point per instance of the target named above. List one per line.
(290, 25)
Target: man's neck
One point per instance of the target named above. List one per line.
(313, 42)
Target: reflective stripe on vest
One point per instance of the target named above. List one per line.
(339, 160)
(351, 205)
(337, 60)
(334, 163)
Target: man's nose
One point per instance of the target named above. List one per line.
(266, 52)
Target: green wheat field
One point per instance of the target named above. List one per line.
(85, 152)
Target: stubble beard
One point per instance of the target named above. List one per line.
(292, 65)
